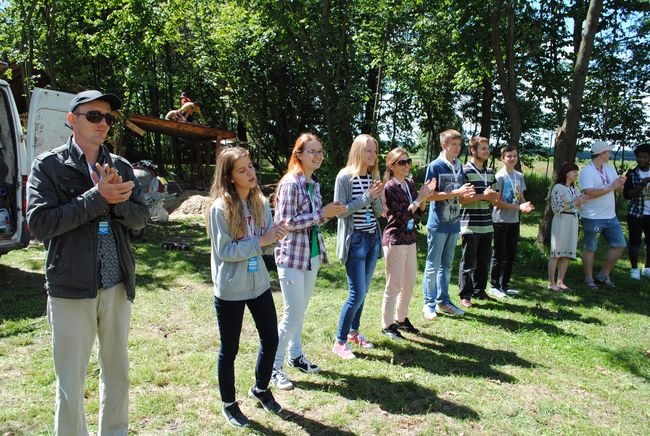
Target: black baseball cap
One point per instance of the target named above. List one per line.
(92, 95)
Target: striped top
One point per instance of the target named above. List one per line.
(476, 217)
(364, 219)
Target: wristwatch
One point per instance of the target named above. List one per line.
(416, 203)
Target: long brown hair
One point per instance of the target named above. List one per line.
(295, 164)
(224, 188)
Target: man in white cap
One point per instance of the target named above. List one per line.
(82, 200)
(599, 181)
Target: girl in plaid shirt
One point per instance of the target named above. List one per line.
(298, 203)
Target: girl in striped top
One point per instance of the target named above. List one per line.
(358, 243)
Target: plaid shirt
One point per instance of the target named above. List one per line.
(635, 205)
(294, 206)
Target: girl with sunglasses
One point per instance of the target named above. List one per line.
(240, 224)
(402, 206)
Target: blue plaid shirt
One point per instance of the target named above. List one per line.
(635, 205)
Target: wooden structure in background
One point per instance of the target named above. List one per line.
(194, 135)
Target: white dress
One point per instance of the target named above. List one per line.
(564, 228)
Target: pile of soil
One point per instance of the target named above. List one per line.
(190, 203)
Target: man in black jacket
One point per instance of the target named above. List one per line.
(81, 202)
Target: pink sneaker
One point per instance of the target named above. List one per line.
(343, 351)
(466, 302)
(360, 340)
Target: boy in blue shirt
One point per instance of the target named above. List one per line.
(443, 224)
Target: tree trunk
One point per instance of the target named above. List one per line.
(567, 135)
(486, 107)
(506, 71)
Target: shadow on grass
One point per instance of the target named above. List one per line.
(395, 397)
(308, 425)
(634, 361)
(441, 356)
(22, 296)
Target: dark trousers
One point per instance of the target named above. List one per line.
(230, 315)
(637, 226)
(475, 263)
(506, 238)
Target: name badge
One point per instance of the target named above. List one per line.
(252, 264)
(103, 228)
(368, 216)
(410, 225)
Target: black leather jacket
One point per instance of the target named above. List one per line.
(64, 209)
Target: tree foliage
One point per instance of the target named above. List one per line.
(401, 70)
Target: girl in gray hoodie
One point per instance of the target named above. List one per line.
(239, 224)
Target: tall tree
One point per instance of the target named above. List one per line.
(566, 138)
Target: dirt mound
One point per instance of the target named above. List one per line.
(192, 203)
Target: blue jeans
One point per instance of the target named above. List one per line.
(437, 269)
(360, 266)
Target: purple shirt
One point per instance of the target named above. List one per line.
(398, 213)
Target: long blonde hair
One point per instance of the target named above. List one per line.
(391, 157)
(223, 187)
(295, 164)
(356, 157)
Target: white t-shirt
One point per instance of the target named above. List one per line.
(603, 207)
(646, 193)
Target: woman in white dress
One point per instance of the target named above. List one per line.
(566, 202)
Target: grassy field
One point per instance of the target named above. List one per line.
(540, 363)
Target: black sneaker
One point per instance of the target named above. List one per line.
(303, 364)
(392, 332)
(266, 400)
(234, 416)
(407, 326)
(482, 295)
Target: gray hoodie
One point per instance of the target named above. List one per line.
(229, 257)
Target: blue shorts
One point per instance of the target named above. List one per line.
(610, 228)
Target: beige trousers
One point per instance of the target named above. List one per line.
(74, 325)
(401, 268)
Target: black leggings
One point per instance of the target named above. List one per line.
(230, 315)
(635, 227)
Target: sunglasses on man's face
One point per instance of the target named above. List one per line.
(96, 117)
(404, 162)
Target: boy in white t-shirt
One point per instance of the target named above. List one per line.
(637, 191)
(599, 181)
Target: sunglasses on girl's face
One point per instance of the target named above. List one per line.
(96, 117)
(404, 162)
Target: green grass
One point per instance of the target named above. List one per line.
(573, 363)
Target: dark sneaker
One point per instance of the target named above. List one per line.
(392, 332)
(605, 280)
(303, 364)
(234, 416)
(407, 327)
(266, 400)
(482, 295)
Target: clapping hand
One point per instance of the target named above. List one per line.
(375, 189)
(110, 185)
(333, 209)
(275, 233)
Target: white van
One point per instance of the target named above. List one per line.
(45, 130)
